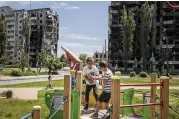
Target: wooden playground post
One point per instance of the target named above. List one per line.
(72, 73)
(81, 66)
(115, 97)
(67, 92)
(153, 95)
(79, 88)
(164, 95)
(36, 112)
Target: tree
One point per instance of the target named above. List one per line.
(42, 59)
(53, 63)
(63, 58)
(146, 17)
(3, 39)
(24, 61)
(26, 32)
(83, 57)
(128, 28)
(24, 43)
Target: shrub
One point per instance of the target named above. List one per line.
(132, 74)
(9, 94)
(29, 69)
(143, 74)
(17, 72)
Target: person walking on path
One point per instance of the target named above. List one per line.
(49, 81)
(89, 71)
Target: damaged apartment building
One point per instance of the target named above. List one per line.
(165, 26)
(44, 32)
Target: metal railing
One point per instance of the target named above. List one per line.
(27, 116)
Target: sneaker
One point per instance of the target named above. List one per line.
(95, 115)
(108, 117)
(86, 107)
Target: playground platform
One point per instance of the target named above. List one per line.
(87, 114)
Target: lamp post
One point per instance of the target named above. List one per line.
(167, 52)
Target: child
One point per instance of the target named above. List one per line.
(106, 94)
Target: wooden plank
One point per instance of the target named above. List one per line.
(67, 92)
(164, 95)
(115, 97)
(153, 95)
(36, 112)
(79, 88)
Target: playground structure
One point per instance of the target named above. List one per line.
(72, 99)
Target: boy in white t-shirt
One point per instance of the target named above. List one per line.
(89, 71)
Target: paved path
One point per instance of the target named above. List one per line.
(7, 80)
(31, 93)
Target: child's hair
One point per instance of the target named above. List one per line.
(103, 64)
(88, 59)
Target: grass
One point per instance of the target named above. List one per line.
(55, 83)
(23, 107)
(147, 80)
(60, 83)
(8, 72)
(15, 109)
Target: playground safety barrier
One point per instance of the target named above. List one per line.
(35, 114)
(164, 96)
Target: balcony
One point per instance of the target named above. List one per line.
(169, 46)
(113, 11)
(170, 14)
(167, 22)
(33, 18)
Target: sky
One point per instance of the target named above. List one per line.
(83, 25)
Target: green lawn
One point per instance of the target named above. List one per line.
(60, 83)
(8, 72)
(147, 80)
(14, 109)
(55, 83)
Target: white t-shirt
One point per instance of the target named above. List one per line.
(93, 71)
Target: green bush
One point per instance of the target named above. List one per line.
(28, 69)
(132, 74)
(12, 66)
(143, 74)
(5, 72)
(17, 72)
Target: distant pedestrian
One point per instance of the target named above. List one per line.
(49, 81)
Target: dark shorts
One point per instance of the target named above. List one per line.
(105, 97)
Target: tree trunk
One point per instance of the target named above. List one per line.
(23, 69)
(125, 65)
(40, 69)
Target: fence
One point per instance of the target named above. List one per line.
(164, 96)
